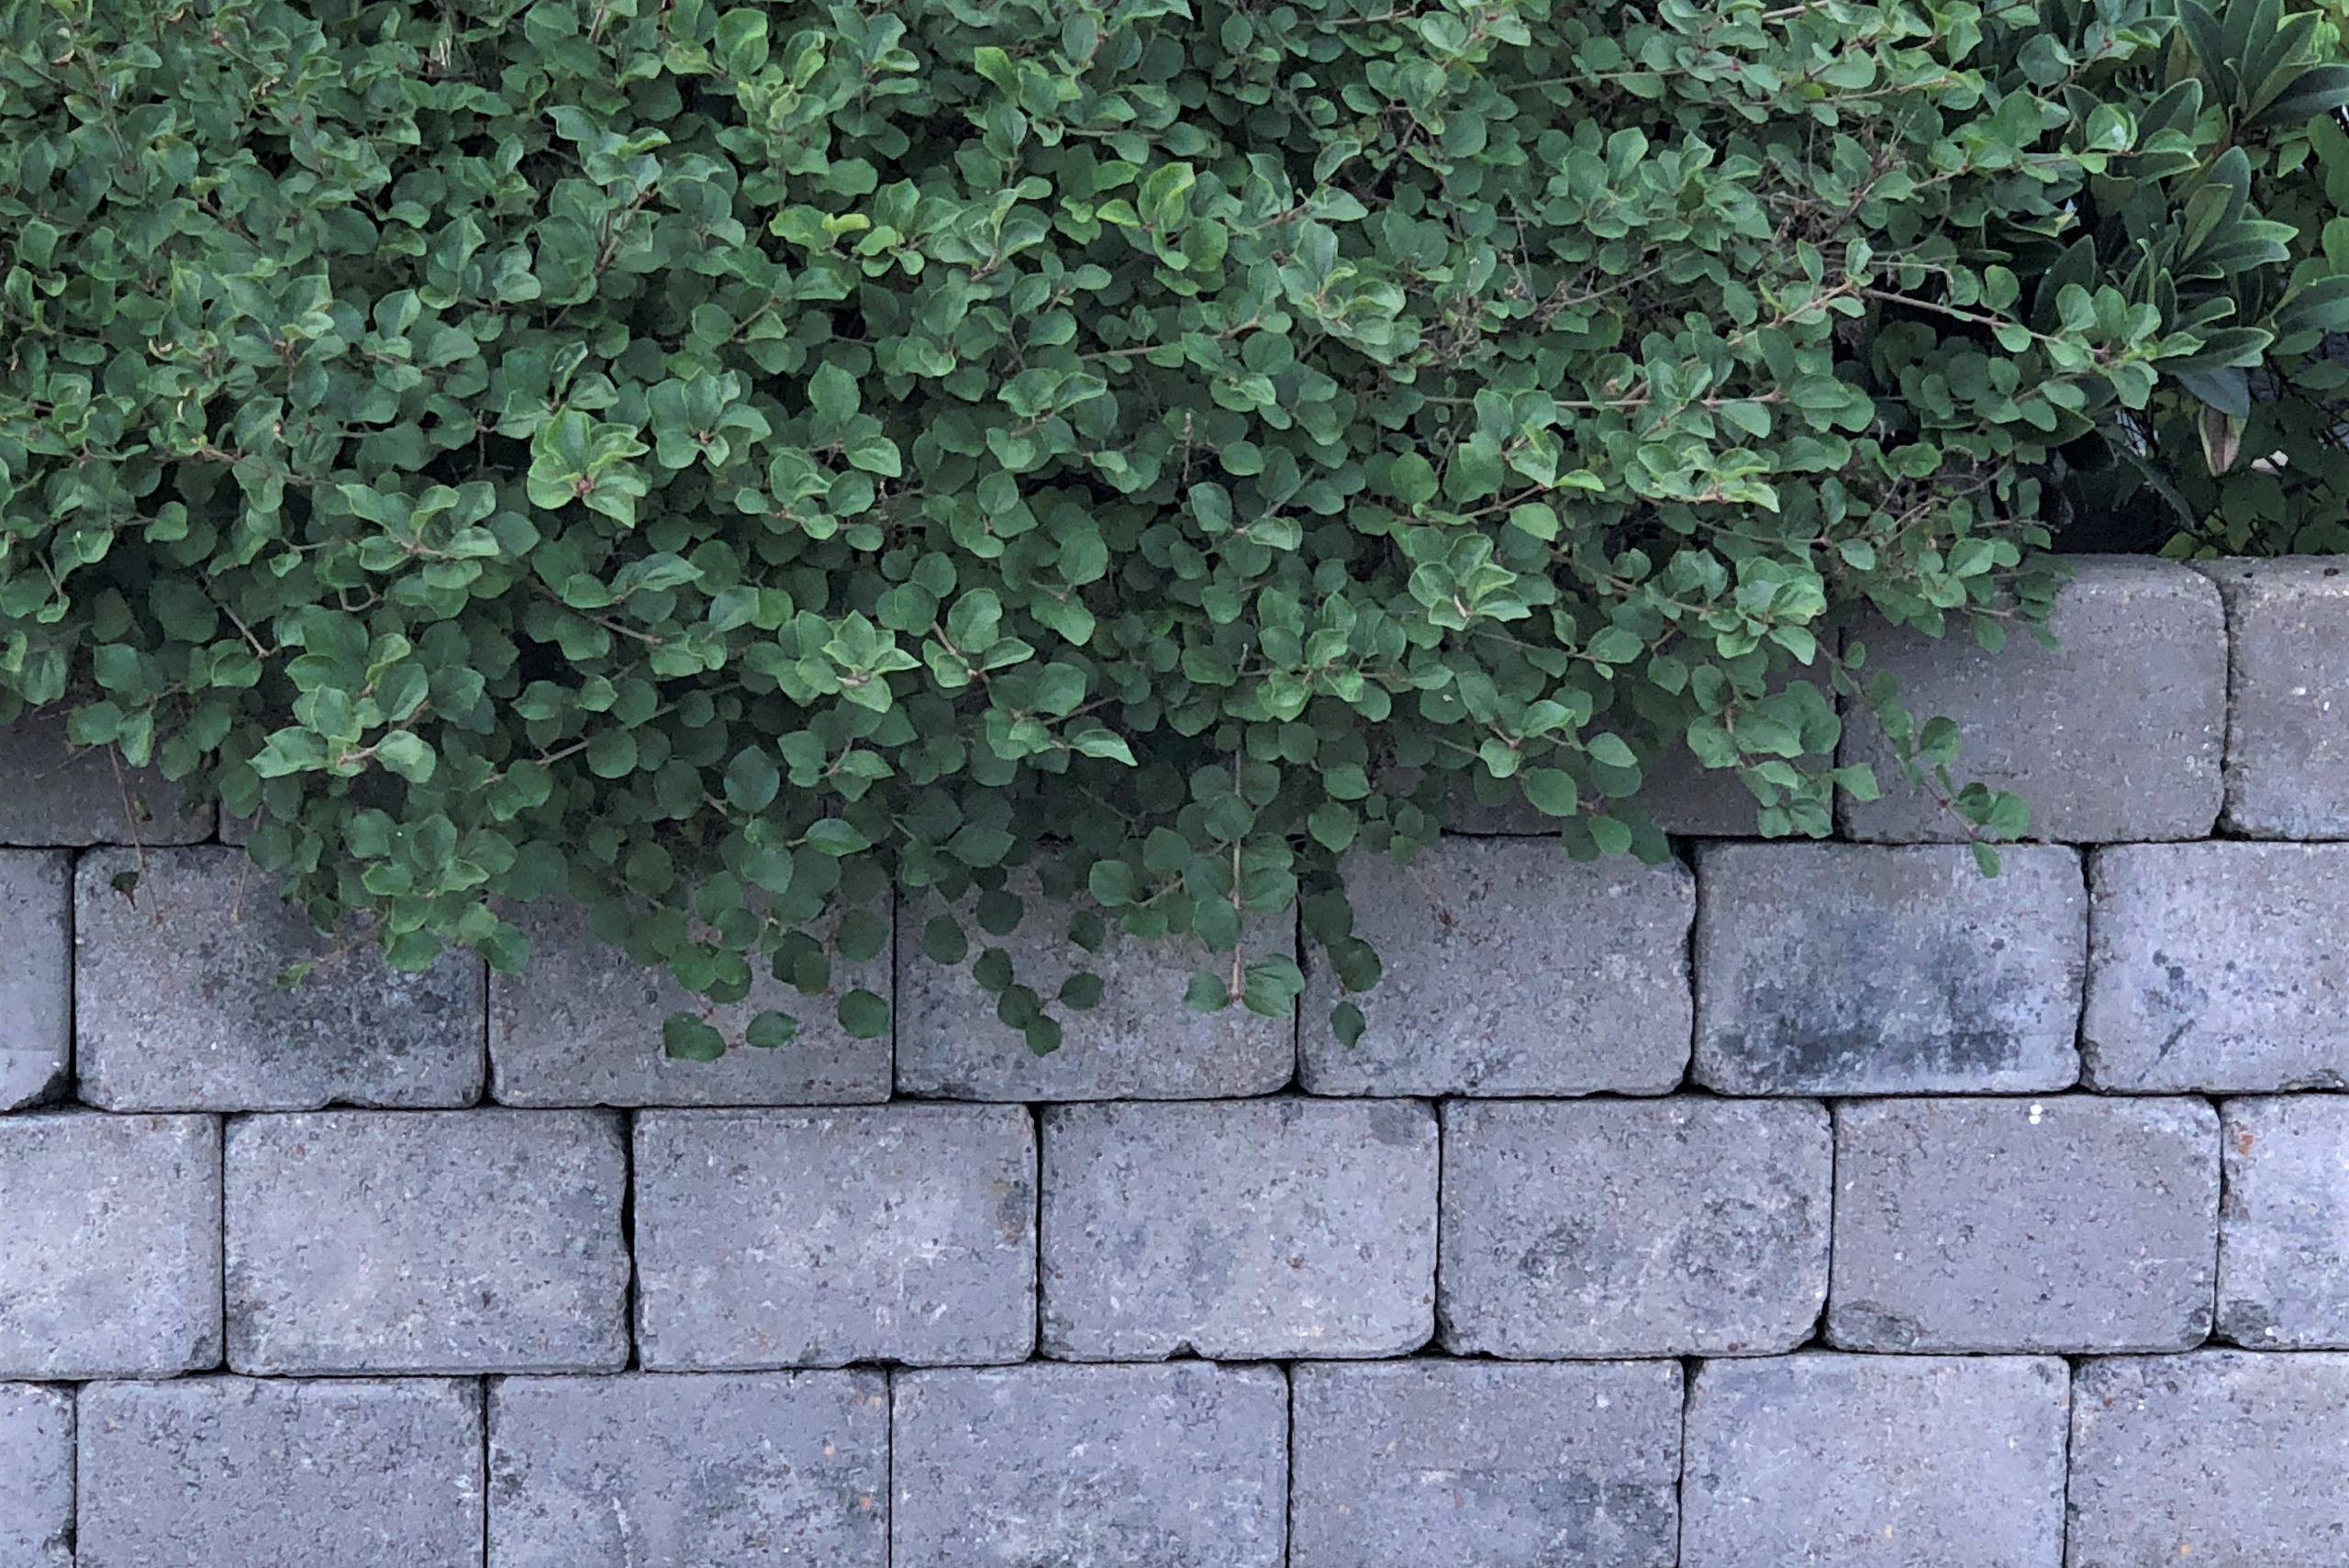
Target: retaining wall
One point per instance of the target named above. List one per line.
(1786, 1202)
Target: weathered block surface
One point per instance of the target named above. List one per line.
(1854, 969)
(1180, 1466)
(1680, 1227)
(1895, 1461)
(1401, 1464)
(36, 1475)
(109, 1245)
(1257, 1228)
(2288, 716)
(2221, 967)
(2069, 1224)
(770, 1239)
(35, 973)
(1141, 1043)
(246, 1472)
(1511, 970)
(2113, 737)
(52, 795)
(2284, 1229)
(179, 1005)
(583, 1028)
(434, 1241)
(648, 1468)
(2221, 1456)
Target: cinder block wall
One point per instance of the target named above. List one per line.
(1786, 1203)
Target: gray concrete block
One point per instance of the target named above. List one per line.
(2287, 709)
(2219, 967)
(1180, 1466)
(244, 1472)
(1667, 1227)
(1242, 1230)
(1510, 968)
(179, 1003)
(583, 1028)
(35, 974)
(429, 1242)
(2115, 736)
(1399, 1464)
(109, 1245)
(1893, 1461)
(2070, 1224)
(2284, 1225)
(36, 1475)
(2222, 1457)
(652, 1469)
(53, 794)
(774, 1238)
(1858, 969)
(1141, 1043)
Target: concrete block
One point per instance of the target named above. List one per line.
(2070, 1224)
(1510, 968)
(180, 1005)
(648, 1469)
(109, 1245)
(773, 1239)
(435, 1241)
(1609, 1227)
(2288, 711)
(1399, 1464)
(1179, 1466)
(36, 1475)
(2115, 736)
(2219, 967)
(244, 1472)
(56, 795)
(35, 974)
(1856, 969)
(1242, 1230)
(2222, 1457)
(1141, 1043)
(1893, 1461)
(583, 1028)
(2284, 1225)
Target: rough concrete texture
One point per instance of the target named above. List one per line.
(2287, 714)
(1238, 1230)
(242, 1472)
(36, 1475)
(1401, 1464)
(56, 795)
(180, 1003)
(583, 1028)
(426, 1242)
(1680, 1227)
(1890, 1461)
(2220, 967)
(109, 1245)
(2223, 1457)
(2115, 736)
(2283, 1227)
(773, 1239)
(649, 1469)
(1141, 1043)
(1858, 969)
(35, 973)
(1180, 1466)
(1510, 968)
(2069, 1224)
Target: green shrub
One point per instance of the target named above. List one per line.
(718, 463)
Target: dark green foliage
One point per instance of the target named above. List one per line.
(717, 462)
